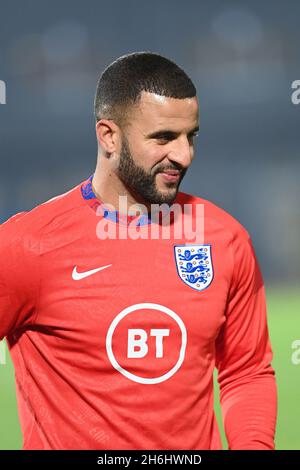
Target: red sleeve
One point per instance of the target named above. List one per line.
(18, 274)
(243, 356)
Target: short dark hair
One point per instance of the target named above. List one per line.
(123, 81)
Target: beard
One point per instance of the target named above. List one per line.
(142, 182)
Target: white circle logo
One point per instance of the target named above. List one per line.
(157, 308)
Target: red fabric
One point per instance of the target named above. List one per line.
(71, 396)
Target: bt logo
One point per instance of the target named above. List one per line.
(137, 338)
(146, 343)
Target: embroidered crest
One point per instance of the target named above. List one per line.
(194, 265)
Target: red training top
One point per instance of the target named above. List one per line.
(114, 341)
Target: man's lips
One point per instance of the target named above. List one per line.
(170, 175)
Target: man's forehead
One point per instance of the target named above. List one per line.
(162, 108)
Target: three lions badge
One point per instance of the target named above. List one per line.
(194, 265)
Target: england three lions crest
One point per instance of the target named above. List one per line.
(194, 265)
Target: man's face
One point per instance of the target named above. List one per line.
(157, 146)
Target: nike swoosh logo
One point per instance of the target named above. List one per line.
(76, 276)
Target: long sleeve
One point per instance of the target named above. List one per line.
(17, 278)
(243, 356)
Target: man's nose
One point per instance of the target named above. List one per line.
(181, 152)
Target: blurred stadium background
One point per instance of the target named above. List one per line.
(242, 56)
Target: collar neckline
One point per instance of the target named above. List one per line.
(90, 197)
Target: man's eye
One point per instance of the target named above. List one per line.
(164, 139)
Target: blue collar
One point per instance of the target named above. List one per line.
(89, 195)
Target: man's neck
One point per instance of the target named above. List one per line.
(109, 189)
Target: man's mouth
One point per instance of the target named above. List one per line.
(171, 176)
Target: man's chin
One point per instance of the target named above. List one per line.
(167, 196)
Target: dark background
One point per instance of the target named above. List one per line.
(242, 56)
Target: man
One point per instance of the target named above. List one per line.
(115, 334)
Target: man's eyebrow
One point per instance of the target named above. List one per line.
(167, 132)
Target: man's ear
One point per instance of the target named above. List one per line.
(108, 135)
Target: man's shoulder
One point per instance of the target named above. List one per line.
(43, 216)
(215, 215)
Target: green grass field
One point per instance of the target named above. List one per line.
(284, 326)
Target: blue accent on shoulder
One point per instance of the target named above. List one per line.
(87, 189)
(88, 193)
